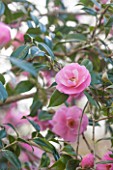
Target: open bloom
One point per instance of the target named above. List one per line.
(108, 166)
(5, 35)
(66, 122)
(73, 79)
(88, 161)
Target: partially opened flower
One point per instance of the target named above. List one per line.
(73, 79)
(88, 161)
(107, 166)
(66, 122)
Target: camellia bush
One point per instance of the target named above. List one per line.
(51, 60)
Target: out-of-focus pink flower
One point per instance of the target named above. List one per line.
(47, 76)
(78, 96)
(25, 73)
(73, 79)
(108, 166)
(14, 116)
(43, 124)
(66, 121)
(5, 34)
(104, 1)
(88, 161)
(19, 39)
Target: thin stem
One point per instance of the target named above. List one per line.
(89, 147)
(78, 137)
(16, 98)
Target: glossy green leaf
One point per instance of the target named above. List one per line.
(72, 164)
(2, 79)
(12, 158)
(46, 146)
(24, 86)
(89, 11)
(90, 99)
(3, 93)
(88, 64)
(2, 8)
(109, 22)
(33, 123)
(44, 115)
(57, 98)
(45, 161)
(22, 64)
(21, 52)
(2, 133)
(49, 51)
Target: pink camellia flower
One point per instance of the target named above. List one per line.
(66, 121)
(14, 116)
(108, 166)
(19, 39)
(5, 34)
(73, 79)
(88, 161)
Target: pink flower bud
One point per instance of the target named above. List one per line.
(88, 161)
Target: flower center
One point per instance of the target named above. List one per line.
(73, 79)
(70, 123)
(108, 167)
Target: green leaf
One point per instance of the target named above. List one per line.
(105, 162)
(109, 22)
(59, 165)
(44, 115)
(45, 161)
(47, 49)
(24, 141)
(21, 52)
(89, 11)
(78, 37)
(2, 8)
(90, 99)
(35, 19)
(24, 86)
(2, 134)
(2, 79)
(3, 93)
(72, 164)
(57, 98)
(35, 125)
(69, 150)
(10, 125)
(46, 146)
(24, 65)
(48, 41)
(88, 64)
(12, 158)
(37, 104)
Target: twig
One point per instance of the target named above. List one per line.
(100, 19)
(16, 98)
(78, 137)
(89, 147)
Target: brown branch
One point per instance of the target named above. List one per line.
(89, 147)
(104, 118)
(100, 19)
(16, 98)
(78, 137)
